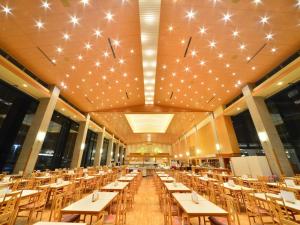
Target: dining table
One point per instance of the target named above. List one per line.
(115, 186)
(176, 187)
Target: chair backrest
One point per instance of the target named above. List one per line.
(232, 209)
(9, 207)
(288, 222)
(56, 206)
(277, 209)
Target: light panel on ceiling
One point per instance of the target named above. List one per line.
(149, 123)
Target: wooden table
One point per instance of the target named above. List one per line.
(162, 175)
(115, 186)
(55, 186)
(85, 206)
(57, 223)
(206, 179)
(126, 179)
(203, 208)
(236, 187)
(167, 179)
(131, 175)
(179, 187)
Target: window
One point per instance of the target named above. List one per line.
(16, 112)
(285, 110)
(88, 155)
(247, 137)
(104, 151)
(58, 146)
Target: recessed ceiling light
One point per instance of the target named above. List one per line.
(190, 14)
(39, 24)
(53, 61)
(98, 33)
(187, 69)
(66, 36)
(170, 28)
(248, 58)
(238, 108)
(6, 9)
(164, 67)
(257, 2)
(264, 20)
(74, 20)
(193, 53)
(235, 33)
(242, 47)
(97, 64)
(273, 50)
(253, 68)
(226, 17)
(182, 41)
(220, 55)
(202, 30)
(212, 44)
(121, 61)
(269, 36)
(85, 2)
(45, 5)
(131, 51)
(59, 49)
(116, 43)
(25, 85)
(297, 5)
(202, 62)
(87, 46)
(227, 65)
(109, 16)
(105, 54)
(80, 57)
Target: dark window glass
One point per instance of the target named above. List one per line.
(285, 110)
(104, 152)
(58, 146)
(247, 137)
(113, 152)
(16, 112)
(88, 155)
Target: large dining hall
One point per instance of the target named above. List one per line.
(149, 112)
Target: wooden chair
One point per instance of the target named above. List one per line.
(169, 219)
(232, 209)
(56, 206)
(9, 208)
(288, 222)
(113, 218)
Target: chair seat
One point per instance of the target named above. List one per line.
(70, 218)
(259, 210)
(216, 220)
(109, 219)
(176, 220)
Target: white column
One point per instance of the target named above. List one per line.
(267, 134)
(117, 151)
(36, 134)
(80, 142)
(109, 151)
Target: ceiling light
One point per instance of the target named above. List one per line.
(66, 36)
(269, 36)
(297, 5)
(248, 58)
(85, 2)
(45, 5)
(253, 68)
(109, 16)
(6, 9)
(39, 24)
(193, 53)
(116, 43)
(170, 28)
(59, 49)
(98, 33)
(112, 69)
(202, 62)
(235, 33)
(212, 44)
(105, 54)
(164, 67)
(25, 85)
(220, 55)
(264, 20)
(97, 64)
(227, 65)
(273, 50)
(121, 61)
(242, 46)
(131, 51)
(190, 14)
(87, 46)
(238, 108)
(187, 69)
(279, 83)
(74, 20)
(202, 30)
(257, 2)
(53, 61)
(226, 17)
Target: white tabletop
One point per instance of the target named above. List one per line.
(178, 187)
(131, 175)
(162, 175)
(207, 179)
(115, 186)
(24, 194)
(203, 208)
(85, 178)
(167, 179)
(56, 185)
(86, 206)
(124, 178)
(57, 223)
(236, 187)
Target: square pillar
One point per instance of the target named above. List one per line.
(121, 155)
(99, 147)
(109, 151)
(216, 137)
(267, 134)
(80, 142)
(36, 134)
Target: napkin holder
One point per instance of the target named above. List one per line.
(59, 181)
(116, 184)
(231, 183)
(86, 175)
(95, 196)
(174, 184)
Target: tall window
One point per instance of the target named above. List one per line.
(285, 110)
(247, 137)
(16, 112)
(104, 152)
(89, 149)
(58, 145)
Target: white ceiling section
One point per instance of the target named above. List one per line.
(149, 123)
(149, 22)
